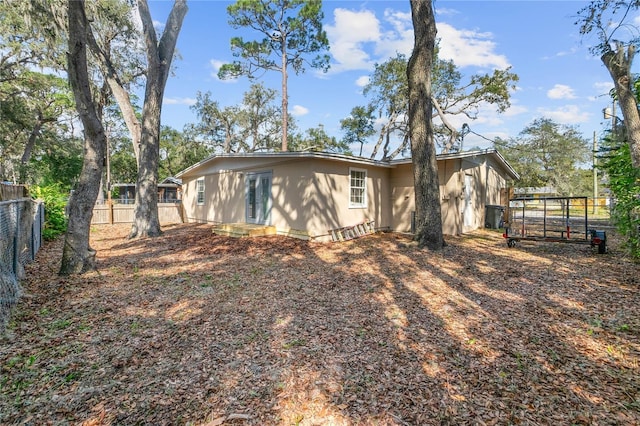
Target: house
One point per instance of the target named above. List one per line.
(120, 209)
(169, 191)
(535, 192)
(307, 194)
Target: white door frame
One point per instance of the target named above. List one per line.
(258, 200)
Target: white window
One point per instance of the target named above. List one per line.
(357, 188)
(200, 191)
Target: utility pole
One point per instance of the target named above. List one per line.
(595, 174)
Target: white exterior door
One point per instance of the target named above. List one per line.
(258, 198)
(468, 201)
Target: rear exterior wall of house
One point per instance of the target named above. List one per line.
(309, 195)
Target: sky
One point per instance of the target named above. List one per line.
(559, 78)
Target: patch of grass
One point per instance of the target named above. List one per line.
(235, 281)
(595, 322)
(18, 375)
(208, 281)
(257, 335)
(293, 343)
(60, 324)
(74, 375)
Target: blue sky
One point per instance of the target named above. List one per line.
(559, 78)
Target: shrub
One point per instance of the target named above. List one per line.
(624, 183)
(55, 200)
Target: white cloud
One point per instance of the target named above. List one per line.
(603, 87)
(515, 110)
(215, 66)
(298, 111)
(179, 101)
(569, 114)
(158, 26)
(362, 80)
(399, 38)
(348, 34)
(469, 48)
(561, 91)
(359, 39)
(443, 11)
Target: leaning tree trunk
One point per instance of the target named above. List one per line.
(159, 56)
(423, 150)
(619, 65)
(119, 92)
(77, 255)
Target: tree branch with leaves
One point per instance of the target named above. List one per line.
(617, 35)
(292, 36)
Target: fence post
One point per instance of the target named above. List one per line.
(16, 241)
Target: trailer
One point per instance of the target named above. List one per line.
(552, 219)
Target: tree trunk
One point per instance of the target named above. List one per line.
(119, 92)
(384, 131)
(159, 56)
(28, 149)
(77, 255)
(285, 97)
(423, 151)
(619, 65)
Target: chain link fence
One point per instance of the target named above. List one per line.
(21, 225)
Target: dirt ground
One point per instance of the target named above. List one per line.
(192, 328)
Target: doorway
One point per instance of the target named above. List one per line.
(258, 198)
(468, 202)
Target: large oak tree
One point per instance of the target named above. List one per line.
(159, 58)
(77, 255)
(423, 150)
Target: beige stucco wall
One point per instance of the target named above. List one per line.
(312, 194)
(309, 195)
(403, 199)
(486, 184)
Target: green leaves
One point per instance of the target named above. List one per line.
(624, 183)
(254, 125)
(290, 29)
(292, 34)
(55, 201)
(547, 154)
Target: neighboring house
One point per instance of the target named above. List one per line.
(169, 191)
(535, 192)
(307, 194)
(121, 208)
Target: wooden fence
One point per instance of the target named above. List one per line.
(110, 213)
(12, 192)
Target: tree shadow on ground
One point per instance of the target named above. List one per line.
(192, 328)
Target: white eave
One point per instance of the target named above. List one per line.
(349, 159)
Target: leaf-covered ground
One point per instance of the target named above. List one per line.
(195, 328)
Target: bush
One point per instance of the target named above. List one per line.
(624, 183)
(55, 201)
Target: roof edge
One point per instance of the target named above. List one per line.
(351, 158)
